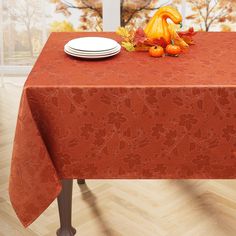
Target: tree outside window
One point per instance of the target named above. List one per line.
(210, 15)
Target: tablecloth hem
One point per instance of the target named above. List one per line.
(28, 223)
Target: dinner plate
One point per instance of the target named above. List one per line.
(92, 52)
(92, 44)
(68, 48)
(90, 56)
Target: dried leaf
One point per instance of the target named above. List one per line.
(128, 46)
(156, 42)
(123, 32)
(187, 36)
(139, 36)
(189, 32)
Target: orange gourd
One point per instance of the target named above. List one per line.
(157, 27)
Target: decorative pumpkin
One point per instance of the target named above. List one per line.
(173, 50)
(156, 51)
(157, 27)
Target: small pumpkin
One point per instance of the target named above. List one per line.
(157, 27)
(173, 50)
(156, 51)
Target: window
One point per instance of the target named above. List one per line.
(26, 24)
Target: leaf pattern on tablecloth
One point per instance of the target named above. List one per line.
(132, 117)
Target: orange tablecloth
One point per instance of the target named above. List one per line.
(130, 116)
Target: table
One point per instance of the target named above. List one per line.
(130, 116)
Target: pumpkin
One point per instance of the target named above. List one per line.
(157, 27)
(173, 50)
(156, 51)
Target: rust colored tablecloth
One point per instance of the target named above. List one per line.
(130, 116)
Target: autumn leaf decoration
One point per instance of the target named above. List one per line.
(187, 36)
(127, 37)
(138, 41)
(139, 37)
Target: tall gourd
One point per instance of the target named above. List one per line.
(157, 27)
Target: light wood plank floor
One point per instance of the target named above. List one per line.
(122, 208)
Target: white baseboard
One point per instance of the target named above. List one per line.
(15, 70)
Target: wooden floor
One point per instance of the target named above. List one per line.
(122, 208)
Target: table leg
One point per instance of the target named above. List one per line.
(80, 181)
(64, 201)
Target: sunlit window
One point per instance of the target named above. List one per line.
(26, 24)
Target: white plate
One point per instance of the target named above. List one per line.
(118, 47)
(92, 44)
(103, 51)
(90, 56)
(100, 53)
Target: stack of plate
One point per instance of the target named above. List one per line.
(92, 47)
